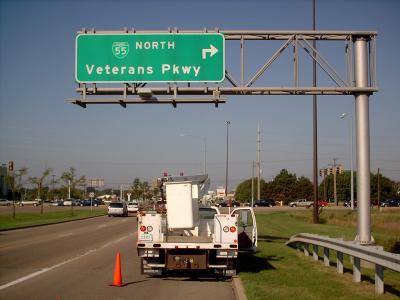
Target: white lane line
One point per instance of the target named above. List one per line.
(65, 234)
(44, 270)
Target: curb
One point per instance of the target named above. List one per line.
(238, 289)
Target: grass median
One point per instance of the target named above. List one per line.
(277, 271)
(27, 219)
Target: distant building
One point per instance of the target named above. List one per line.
(220, 192)
(3, 181)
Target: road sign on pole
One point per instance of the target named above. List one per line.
(168, 57)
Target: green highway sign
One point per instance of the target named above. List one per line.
(169, 57)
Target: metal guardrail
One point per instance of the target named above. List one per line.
(373, 254)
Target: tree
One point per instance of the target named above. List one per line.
(145, 190)
(284, 186)
(136, 188)
(38, 181)
(304, 188)
(16, 181)
(387, 187)
(70, 178)
(243, 190)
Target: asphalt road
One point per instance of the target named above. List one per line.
(76, 260)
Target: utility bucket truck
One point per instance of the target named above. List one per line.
(188, 236)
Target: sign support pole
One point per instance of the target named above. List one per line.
(363, 143)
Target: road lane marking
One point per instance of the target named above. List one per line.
(65, 234)
(44, 270)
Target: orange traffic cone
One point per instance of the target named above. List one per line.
(117, 271)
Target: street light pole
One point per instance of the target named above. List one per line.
(351, 158)
(226, 170)
(205, 155)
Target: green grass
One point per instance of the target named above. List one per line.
(277, 271)
(33, 219)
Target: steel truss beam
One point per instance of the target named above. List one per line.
(173, 92)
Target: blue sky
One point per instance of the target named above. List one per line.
(39, 128)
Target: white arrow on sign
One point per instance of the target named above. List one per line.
(212, 50)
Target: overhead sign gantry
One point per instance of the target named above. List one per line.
(159, 67)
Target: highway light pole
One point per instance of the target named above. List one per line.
(343, 115)
(226, 170)
(204, 148)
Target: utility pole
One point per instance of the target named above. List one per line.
(334, 181)
(69, 189)
(258, 163)
(52, 183)
(379, 188)
(325, 186)
(252, 186)
(315, 132)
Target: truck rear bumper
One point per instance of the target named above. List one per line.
(154, 261)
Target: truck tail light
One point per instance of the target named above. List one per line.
(226, 228)
(143, 228)
(232, 229)
(149, 228)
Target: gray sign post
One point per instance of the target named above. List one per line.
(363, 144)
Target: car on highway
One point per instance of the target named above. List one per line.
(323, 203)
(390, 203)
(118, 209)
(57, 203)
(69, 202)
(5, 202)
(89, 202)
(133, 207)
(229, 203)
(35, 202)
(264, 202)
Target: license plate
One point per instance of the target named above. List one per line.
(146, 237)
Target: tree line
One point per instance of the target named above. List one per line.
(44, 187)
(287, 187)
